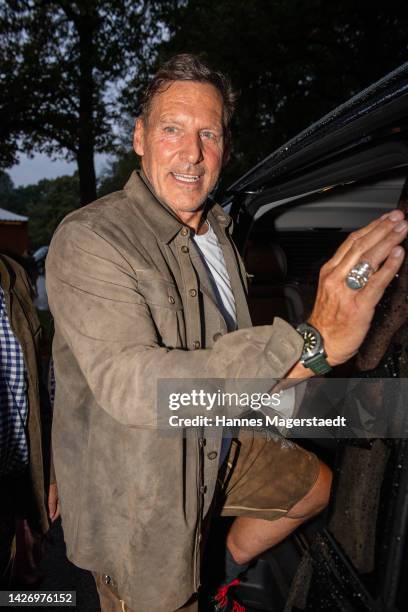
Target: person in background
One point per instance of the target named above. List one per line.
(28, 491)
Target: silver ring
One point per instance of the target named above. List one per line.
(358, 276)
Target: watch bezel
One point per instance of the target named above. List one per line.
(303, 329)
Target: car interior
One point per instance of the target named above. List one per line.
(348, 558)
(289, 241)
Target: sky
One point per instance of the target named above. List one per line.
(30, 171)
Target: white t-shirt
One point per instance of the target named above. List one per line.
(213, 258)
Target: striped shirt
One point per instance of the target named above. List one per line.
(13, 399)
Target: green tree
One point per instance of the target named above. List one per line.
(6, 189)
(45, 204)
(291, 61)
(118, 172)
(63, 64)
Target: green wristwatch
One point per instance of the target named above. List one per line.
(313, 354)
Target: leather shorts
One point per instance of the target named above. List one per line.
(264, 477)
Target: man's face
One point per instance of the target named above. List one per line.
(182, 144)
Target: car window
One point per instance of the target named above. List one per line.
(289, 242)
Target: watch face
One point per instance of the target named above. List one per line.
(312, 341)
(310, 347)
(313, 355)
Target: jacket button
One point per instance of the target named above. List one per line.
(184, 249)
(171, 299)
(193, 292)
(203, 489)
(196, 344)
(107, 579)
(217, 336)
(184, 231)
(212, 455)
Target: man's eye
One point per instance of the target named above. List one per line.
(170, 129)
(208, 134)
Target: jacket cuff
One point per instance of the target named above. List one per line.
(284, 347)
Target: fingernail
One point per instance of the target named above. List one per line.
(396, 215)
(400, 227)
(397, 252)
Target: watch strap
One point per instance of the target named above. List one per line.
(318, 364)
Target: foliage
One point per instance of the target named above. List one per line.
(292, 61)
(71, 71)
(63, 64)
(45, 203)
(6, 188)
(119, 171)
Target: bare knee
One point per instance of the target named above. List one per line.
(316, 499)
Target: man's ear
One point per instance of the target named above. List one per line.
(138, 137)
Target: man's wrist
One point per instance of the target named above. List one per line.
(314, 354)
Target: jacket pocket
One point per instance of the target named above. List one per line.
(161, 293)
(166, 307)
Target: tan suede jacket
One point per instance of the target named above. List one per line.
(132, 305)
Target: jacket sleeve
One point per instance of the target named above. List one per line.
(106, 322)
(26, 294)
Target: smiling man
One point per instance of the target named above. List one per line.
(180, 139)
(146, 284)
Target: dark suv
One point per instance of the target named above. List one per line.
(291, 212)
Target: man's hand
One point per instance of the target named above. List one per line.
(343, 316)
(53, 502)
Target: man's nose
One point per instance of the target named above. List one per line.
(191, 150)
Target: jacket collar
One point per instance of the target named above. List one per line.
(161, 219)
